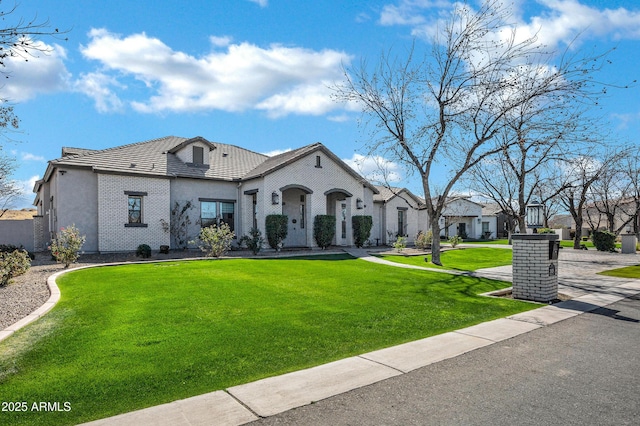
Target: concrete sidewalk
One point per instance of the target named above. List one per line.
(245, 403)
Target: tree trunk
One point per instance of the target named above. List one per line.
(435, 243)
(577, 239)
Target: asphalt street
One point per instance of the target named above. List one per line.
(581, 371)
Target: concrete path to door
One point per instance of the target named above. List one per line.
(551, 365)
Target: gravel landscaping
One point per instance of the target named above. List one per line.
(30, 291)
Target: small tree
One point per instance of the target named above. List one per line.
(361, 229)
(324, 229)
(178, 227)
(66, 247)
(215, 240)
(276, 227)
(424, 240)
(13, 264)
(253, 241)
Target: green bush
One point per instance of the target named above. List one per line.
(604, 240)
(13, 264)
(66, 247)
(215, 240)
(143, 251)
(400, 244)
(424, 240)
(455, 240)
(253, 241)
(546, 231)
(324, 229)
(8, 248)
(276, 228)
(361, 229)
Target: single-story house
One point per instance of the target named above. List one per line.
(397, 212)
(120, 197)
(463, 217)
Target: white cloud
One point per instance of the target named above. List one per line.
(221, 41)
(27, 156)
(276, 152)
(375, 169)
(97, 85)
(558, 21)
(26, 186)
(44, 73)
(262, 3)
(279, 80)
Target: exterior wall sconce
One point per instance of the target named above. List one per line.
(275, 198)
(359, 204)
(479, 220)
(534, 215)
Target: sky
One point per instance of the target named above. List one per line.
(254, 73)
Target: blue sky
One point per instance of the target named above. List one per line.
(253, 73)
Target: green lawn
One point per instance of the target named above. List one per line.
(127, 337)
(505, 242)
(462, 259)
(628, 272)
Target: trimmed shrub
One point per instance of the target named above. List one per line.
(164, 249)
(604, 240)
(400, 244)
(215, 240)
(276, 228)
(455, 240)
(143, 251)
(424, 240)
(8, 248)
(12, 264)
(66, 247)
(361, 229)
(253, 241)
(324, 229)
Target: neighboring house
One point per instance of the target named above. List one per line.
(397, 212)
(119, 197)
(463, 217)
(494, 220)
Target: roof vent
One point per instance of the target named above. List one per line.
(224, 154)
(132, 165)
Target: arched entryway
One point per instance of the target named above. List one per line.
(339, 205)
(295, 204)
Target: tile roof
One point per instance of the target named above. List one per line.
(387, 193)
(227, 162)
(158, 157)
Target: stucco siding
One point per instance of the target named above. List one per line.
(76, 200)
(113, 212)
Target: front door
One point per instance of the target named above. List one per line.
(294, 206)
(462, 229)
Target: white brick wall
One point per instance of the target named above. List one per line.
(531, 274)
(113, 212)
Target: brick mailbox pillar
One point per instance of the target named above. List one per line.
(535, 267)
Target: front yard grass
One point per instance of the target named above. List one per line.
(627, 272)
(127, 337)
(462, 259)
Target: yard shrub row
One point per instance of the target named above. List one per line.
(276, 228)
(361, 229)
(324, 229)
(12, 264)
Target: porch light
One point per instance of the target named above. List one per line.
(359, 204)
(534, 215)
(275, 198)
